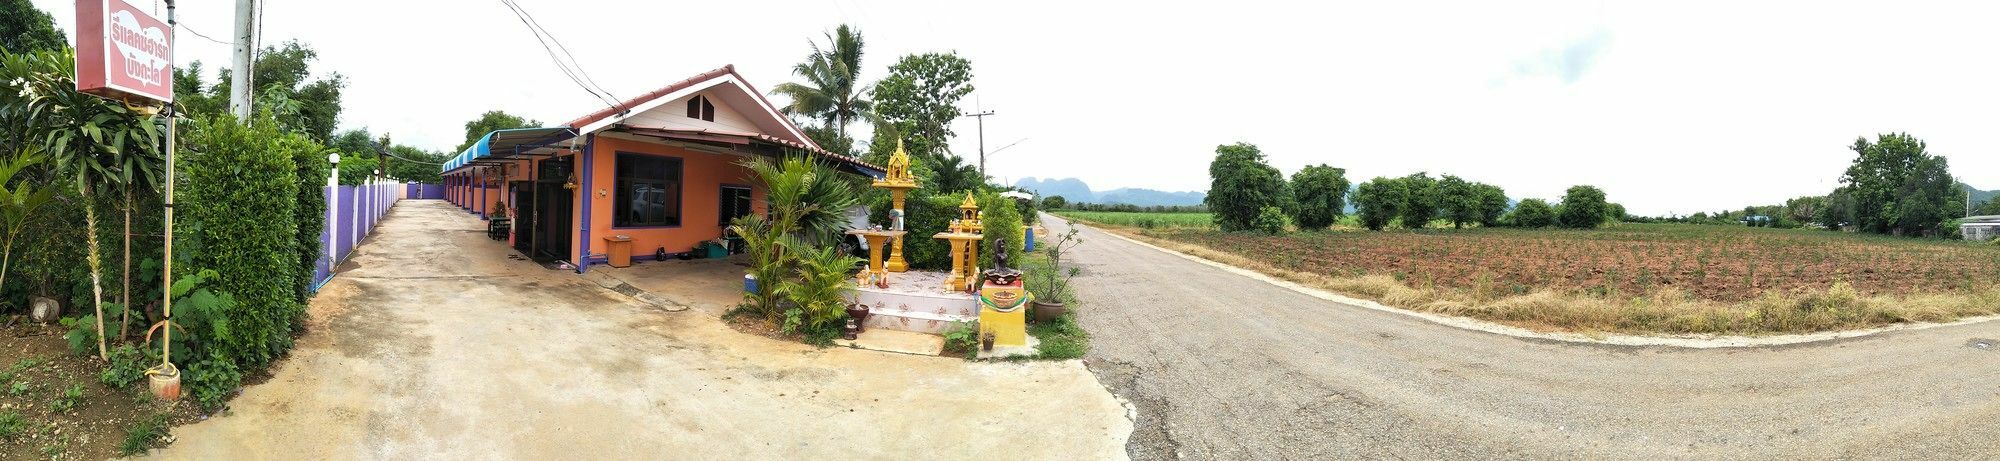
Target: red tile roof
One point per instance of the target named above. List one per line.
(729, 69)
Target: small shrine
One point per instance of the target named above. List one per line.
(898, 180)
(964, 235)
(1002, 300)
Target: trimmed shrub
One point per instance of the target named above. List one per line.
(925, 215)
(1002, 221)
(240, 196)
(309, 159)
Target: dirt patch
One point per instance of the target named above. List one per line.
(38, 369)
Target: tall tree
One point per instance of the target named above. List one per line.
(24, 28)
(1459, 200)
(1379, 201)
(920, 98)
(832, 92)
(490, 121)
(284, 69)
(1241, 185)
(1421, 201)
(1583, 207)
(1492, 204)
(1321, 192)
(1534, 212)
(1897, 187)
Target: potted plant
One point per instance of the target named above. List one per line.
(1051, 285)
(859, 312)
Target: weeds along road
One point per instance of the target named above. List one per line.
(1223, 366)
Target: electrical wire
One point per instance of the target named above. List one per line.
(572, 74)
(205, 36)
(565, 51)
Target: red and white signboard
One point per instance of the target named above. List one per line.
(122, 52)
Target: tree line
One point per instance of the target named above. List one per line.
(1247, 193)
(1894, 186)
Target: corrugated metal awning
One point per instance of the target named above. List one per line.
(511, 144)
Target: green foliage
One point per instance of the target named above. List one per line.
(12, 425)
(1534, 212)
(240, 195)
(820, 285)
(309, 213)
(212, 382)
(1583, 207)
(1492, 203)
(1379, 201)
(926, 215)
(1002, 223)
(1322, 196)
(920, 98)
(832, 91)
(1895, 186)
(830, 139)
(1422, 200)
(1061, 339)
(491, 121)
(24, 28)
(144, 435)
(1048, 279)
(807, 202)
(280, 73)
(1054, 202)
(1241, 185)
(67, 399)
(126, 366)
(82, 335)
(202, 314)
(963, 338)
(18, 204)
(1270, 220)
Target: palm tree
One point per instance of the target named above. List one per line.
(17, 204)
(105, 145)
(832, 92)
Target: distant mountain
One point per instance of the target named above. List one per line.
(1075, 191)
(1979, 196)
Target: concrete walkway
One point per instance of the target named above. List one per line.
(433, 344)
(1222, 366)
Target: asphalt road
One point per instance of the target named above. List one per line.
(1222, 366)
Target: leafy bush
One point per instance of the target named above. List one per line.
(1271, 221)
(820, 285)
(82, 336)
(1583, 207)
(249, 219)
(1002, 221)
(309, 214)
(212, 381)
(126, 366)
(1054, 202)
(963, 337)
(1322, 195)
(1379, 201)
(925, 215)
(1241, 185)
(1533, 212)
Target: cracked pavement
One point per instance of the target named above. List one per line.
(1222, 366)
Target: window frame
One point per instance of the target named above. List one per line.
(749, 202)
(620, 182)
(700, 108)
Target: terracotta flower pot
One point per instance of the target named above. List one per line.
(1048, 311)
(166, 384)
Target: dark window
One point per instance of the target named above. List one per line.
(735, 203)
(649, 191)
(699, 107)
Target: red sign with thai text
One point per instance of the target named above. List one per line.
(122, 52)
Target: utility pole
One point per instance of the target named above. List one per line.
(240, 85)
(981, 116)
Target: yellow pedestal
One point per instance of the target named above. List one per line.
(1003, 311)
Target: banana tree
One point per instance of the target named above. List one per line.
(17, 204)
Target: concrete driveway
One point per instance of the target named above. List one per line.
(1222, 366)
(433, 344)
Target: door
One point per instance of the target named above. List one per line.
(554, 210)
(524, 221)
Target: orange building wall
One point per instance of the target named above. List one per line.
(702, 177)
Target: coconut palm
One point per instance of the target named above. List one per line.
(832, 91)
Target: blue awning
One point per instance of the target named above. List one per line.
(510, 144)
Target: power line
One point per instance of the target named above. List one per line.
(523, 16)
(199, 34)
(565, 51)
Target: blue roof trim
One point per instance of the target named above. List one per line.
(522, 140)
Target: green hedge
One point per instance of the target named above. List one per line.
(311, 169)
(239, 195)
(926, 215)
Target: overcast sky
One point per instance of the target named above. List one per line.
(1668, 106)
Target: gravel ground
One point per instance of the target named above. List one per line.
(1221, 366)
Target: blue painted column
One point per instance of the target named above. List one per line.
(482, 193)
(589, 191)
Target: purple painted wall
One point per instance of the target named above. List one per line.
(425, 191)
(352, 214)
